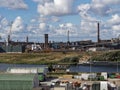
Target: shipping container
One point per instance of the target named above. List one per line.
(68, 76)
(104, 74)
(96, 86)
(59, 88)
(84, 76)
(41, 77)
(77, 77)
(103, 85)
(112, 86)
(118, 76)
(92, 76)
(101, 78)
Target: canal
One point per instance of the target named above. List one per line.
(73, 68)
(96, 68)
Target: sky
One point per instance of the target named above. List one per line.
(34, 18)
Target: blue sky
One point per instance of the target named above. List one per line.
(34, 18)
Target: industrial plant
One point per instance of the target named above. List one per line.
(10, 46)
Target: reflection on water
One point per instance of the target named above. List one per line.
(82, 68)
(4, 67)
(77, 68)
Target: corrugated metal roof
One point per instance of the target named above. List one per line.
(39, 69)
(23, 77)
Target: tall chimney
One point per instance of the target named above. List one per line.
(68, 35)
(8, 40)
(46, 40)
(27, 39)
(98, 32)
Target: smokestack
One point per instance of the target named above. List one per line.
(98, 36)
(68, 36)
(9, 35)
(8, 40)
(46, 40)
(68, 41)
(27, 39)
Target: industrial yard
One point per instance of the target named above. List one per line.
(59, 44)
(38, 78)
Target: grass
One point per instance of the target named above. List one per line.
(34, 58)
(52, 57)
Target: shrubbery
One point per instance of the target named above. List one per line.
(110, 56)
(70, 59)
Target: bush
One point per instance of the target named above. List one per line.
(70, 60)
(110, 56)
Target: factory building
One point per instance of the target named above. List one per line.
(13, 48)
(18, 81)
(41, 71)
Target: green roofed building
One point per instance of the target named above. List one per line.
(18, 81)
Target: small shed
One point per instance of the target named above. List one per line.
(18, 81)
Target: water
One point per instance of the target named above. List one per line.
(102, 68)
(4, 67)
(77, 68)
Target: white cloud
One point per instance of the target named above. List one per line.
(64, 28)
(4, 27)
(104, 7)
(111, 27)
(42, 26)
(56, 7)
(88, 30)
(32, 20)
(54, 19)
(13, 4)
(66, 25)
(84, 11)
(4, 22)
(99, 8)
(17, 24)
(114, 20)
(116, 27)
(42, 1)
(106, 2)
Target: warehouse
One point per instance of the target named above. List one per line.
(41, 71)
(18, 81)
(12, 49)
